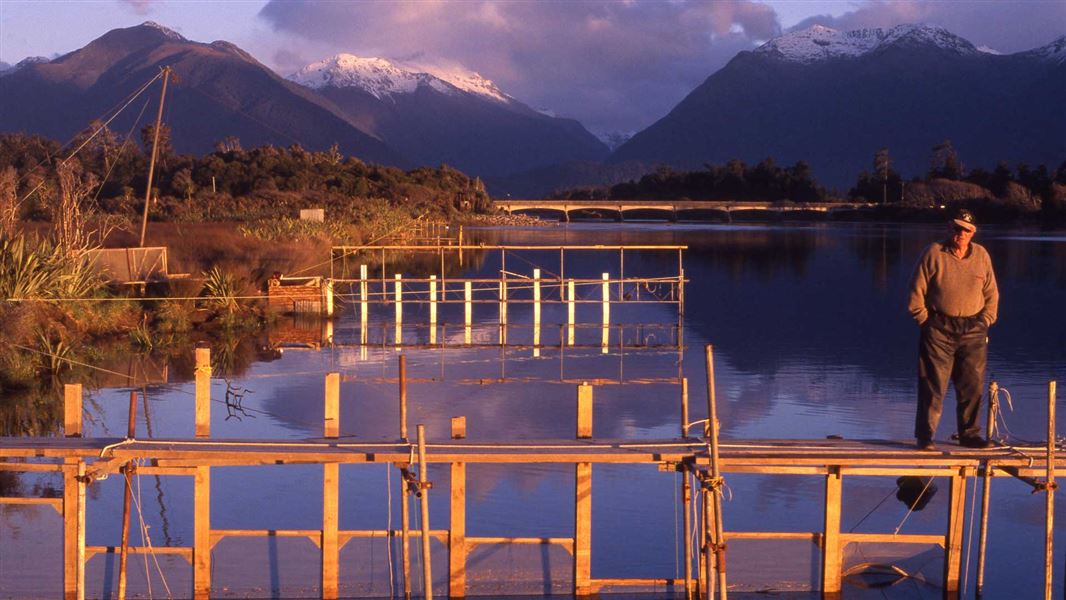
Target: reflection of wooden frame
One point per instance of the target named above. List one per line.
(131, 265)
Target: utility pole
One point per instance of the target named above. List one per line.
(155, 151)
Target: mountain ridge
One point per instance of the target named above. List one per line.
(904, 92)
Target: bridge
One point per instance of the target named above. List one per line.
(668, 209)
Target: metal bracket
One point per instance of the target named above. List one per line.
(1043, 486)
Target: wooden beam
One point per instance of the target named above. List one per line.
(953, 538)
(201, 571)
(1049, 489)
(330, 520)
(73, 567)
(583, 530)
(403, 396)
(831, 543)
(457, 541)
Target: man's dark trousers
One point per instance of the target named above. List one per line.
(954, 348)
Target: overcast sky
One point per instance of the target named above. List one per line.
(614, 65)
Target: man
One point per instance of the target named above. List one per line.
(954, 298)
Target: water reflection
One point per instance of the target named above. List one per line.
(811, 339)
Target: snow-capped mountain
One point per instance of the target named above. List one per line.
(1054, 52)
(833, 98)
(223, 91)
(820, 43)
(447, 115)
(6, 69)
(383, 78)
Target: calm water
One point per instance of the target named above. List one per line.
(811, 339)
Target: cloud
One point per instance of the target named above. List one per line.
(139, 7)
(613, 65)
(1005, 26)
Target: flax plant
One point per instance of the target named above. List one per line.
(222, 290)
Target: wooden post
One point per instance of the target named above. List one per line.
(536, 297)
(686, 500)
(363, 291)
(203, 392)
(706, 576)
(583, 499)
(73, 530)
(606, 302)
(458, 428)
(328, 292)
(503, 297)
(716, 493)
(432, 309)
(332, 410)
(832, 552)
(571, 297)
(423, 480)
(405, 536)
(457, 533)
(155, 152)
(584, 411)
(953, 538)
(201, 569)
(330, 542)
(398, 299)
(127, 498)
(468, 310)
(684, 407)
(1049, 501)
(986, 487)
(72, 402)
(403, 397)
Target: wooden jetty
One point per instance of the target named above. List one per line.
(508, 288)
(704, 461)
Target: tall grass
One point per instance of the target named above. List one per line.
(287, 229)
(40, 270)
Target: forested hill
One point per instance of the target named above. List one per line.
(230, 183)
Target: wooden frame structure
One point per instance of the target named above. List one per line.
(82, 460)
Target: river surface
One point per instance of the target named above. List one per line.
(811, 339)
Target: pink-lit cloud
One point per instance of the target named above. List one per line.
(614, 65)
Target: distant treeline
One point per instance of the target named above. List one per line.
(1019, 189)
(735, 180)
(230, 183)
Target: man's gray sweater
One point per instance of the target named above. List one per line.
(953, 286)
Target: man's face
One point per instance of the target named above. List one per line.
(960, 236)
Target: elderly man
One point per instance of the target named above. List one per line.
(954, 298)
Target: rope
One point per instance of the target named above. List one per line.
(129, 134)
(146, 540)
(90, 138)
(67, 359)
(867, 515)
(910, 509)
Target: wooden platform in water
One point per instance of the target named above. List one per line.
(771, 456)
